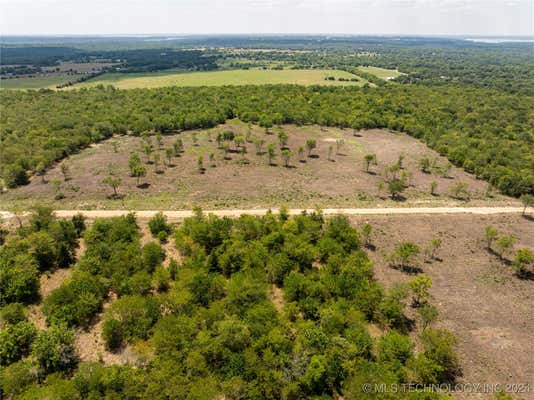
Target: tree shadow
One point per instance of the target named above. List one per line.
(528, 217)
(526, 275)
(302, 161)
(159, 172)
(145, 185)
(370, 247)
(409, 269)
(313, 156)
(290, 166)
(117, 196)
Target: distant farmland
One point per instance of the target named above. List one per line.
(220, 78)
(381, 73)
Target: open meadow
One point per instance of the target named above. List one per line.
(221, 78)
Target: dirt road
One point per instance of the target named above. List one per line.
(181, 214)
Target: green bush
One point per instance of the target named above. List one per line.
(76, 302)
(54, 350)
(158, 224)
(15, 341)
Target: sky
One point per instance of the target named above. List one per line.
(397, 17)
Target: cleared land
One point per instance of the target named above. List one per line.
(38, 82)
(479, 298)
(220, 78)
(381, 73)
(248, 181)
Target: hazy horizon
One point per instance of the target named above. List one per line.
(489, 18)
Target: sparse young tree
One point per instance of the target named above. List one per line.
(400, 161)
(392, 172)
(178, 147)
(243, 153)
(168, 154)
(330, 153)
(138, 172)
(424, 165)
(420, 286)
(194, 137)
(219, 140)
(248, 136)
(339, 145)
(523, 261)
(504, 245)
(366, 232)
(404, 254)
(460, 191)
(310, 145)
(157, 158)
(226, 149)
(490, 235)
(301, 153)
(65, 170)
(432, 248)
(209, 137)
(433, 188)
(428, 314)
(147, 149)
(286, 156)
(200, 164)
(114, 182)
(133, 162)
(56, 184)
(212, 160)
(282, 138)
(370, 159)
(396, 187)
(271, 153)
(258, 143)
(239, 141)
(159, 139)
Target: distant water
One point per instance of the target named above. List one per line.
(501, 40)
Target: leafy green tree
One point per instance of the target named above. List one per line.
(370, 159)
(54, 350)
(168, 155)
(504, 245)
(420, 286)
(286, 156)
(310, 145)
(271, 153)
(258, 143)
(490, 235)
(282, 138)
(433, 188)
(396, 187)
(428, 314)
(460, 190)
(114, 182)
(15, 341)
(133, 163)
(200, 164)
(523, 262)
(158, 223)
(425, 164)
(138, 172)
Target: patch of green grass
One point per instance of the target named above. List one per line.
(220, 78)
(381, 73)
(38, 82)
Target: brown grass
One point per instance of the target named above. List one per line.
(315, 182)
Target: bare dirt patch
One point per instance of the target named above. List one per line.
(53, 280)
(479, 299)
(247, 181)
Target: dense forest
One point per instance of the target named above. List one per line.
(146, 60)
(487, 132)
(209, 326)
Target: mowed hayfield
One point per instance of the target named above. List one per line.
(247, 180)
(221, 78)
(381, 73)
(38, 82)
